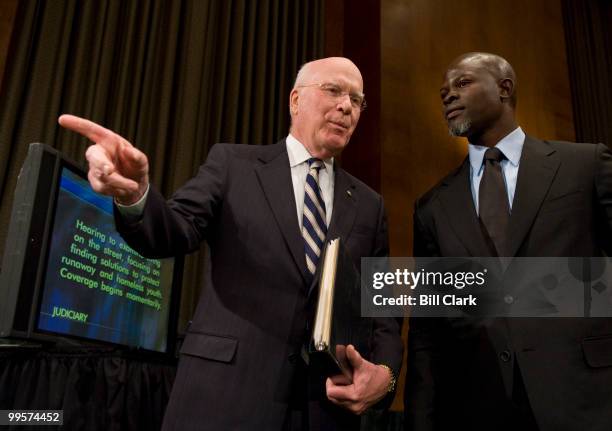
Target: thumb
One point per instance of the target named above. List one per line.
(353, 356)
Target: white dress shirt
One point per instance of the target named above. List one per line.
(512, 147)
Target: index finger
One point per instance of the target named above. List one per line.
(92, 131)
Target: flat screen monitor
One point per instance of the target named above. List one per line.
(67, 272)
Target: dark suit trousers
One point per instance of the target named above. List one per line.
(523, 415)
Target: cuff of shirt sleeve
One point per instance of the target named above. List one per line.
(133, 213)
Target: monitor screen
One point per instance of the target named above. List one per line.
(90, 283)
(95, 285)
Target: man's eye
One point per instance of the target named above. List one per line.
(463, 83)
(333, 90)
(356, 100)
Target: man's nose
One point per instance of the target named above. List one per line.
(449, 97)
(344, 104)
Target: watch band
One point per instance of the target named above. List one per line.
(393, 381)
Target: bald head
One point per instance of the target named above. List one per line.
(478, 95)
(313, 69)
(325, 105)
(495, 65)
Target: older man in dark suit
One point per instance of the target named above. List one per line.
(265, 211)
(514, 195)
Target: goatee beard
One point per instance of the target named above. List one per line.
(460, 129)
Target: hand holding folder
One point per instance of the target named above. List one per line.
(369, 384)
(340, 333)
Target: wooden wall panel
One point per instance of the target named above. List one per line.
(354, 32)
(419, 39)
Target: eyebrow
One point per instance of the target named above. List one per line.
(345, 86)
(463, 75)
(466, 74)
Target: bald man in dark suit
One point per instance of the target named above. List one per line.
(514, 195)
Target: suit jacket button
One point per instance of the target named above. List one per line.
(505, 355)
(508, 299)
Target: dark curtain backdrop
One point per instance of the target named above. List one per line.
(588, 37)
(173, 77)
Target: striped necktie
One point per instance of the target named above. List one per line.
(314, 227)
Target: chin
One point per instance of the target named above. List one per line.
(460, 128)
(334, 150)
(335, 143)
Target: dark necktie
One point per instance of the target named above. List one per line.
(314, 226)
(493, 207)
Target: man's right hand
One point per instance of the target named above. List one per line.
(116, 167)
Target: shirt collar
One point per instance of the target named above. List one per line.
(298, 154)
(511, 145)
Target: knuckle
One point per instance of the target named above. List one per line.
(124, 142)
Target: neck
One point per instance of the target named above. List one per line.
(318, 153)
(491, 136)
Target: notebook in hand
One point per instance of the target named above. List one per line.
(337, 321)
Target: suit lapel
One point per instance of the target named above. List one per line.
(275, 178)
(538, 167)
(345, 206)
(458, 204)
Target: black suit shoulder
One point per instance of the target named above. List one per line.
(267, 153)
(250, 151)
(568, 146)
(586, 159)
(570, 149)
(571, 152)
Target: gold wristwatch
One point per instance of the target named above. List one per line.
(393, 381)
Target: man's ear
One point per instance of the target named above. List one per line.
(506, 89)
(293, 101)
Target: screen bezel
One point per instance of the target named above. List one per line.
(32, 287)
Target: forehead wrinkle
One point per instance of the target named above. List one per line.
(338, 68)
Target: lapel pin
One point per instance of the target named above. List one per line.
(348, 192)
